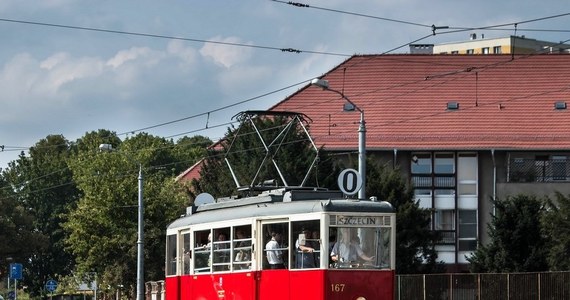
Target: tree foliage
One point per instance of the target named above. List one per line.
(556, 227)
(45, 188)
(292, 151)
(415, 242)
(17, 233)
(103, 229)
(517, 243)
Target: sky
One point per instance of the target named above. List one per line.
(175, 68)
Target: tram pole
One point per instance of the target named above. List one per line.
(324, 84)
(140, 229)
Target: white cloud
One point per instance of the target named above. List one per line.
(61, 68)
(186, 54)
(225, 55)
(142, 54)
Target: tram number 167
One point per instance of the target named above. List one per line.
(337, 287)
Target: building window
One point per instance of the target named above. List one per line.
(421, 173)
(470, 51)
(467, 230)
(467, 174)
(421, 163)
(497, 50)
(485, 50)
(444, 221)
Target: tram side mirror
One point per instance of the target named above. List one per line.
(302, 239)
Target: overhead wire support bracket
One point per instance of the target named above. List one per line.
(297, 4)
(434, 28)
(290, 50)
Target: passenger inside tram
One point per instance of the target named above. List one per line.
(274, 252)
(347, 250)
(243, 251)
(305, 245)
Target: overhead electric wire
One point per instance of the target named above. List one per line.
(244, 45)
(292, 50)
(302, 5)
(218, 109)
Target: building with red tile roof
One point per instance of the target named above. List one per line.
(464, 128)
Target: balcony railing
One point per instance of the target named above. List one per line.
(447, 237)
(538, 170)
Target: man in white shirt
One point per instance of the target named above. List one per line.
(274, 255)
(343, 252)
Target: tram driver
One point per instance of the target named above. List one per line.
(274, 254)
(347, 250)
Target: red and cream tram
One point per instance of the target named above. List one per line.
(286, 243)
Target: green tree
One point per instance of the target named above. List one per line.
(415, 242)
(19, 238)
(556, 227)
(103, 229)
(45, 188)
(516, 241)
(242, 147)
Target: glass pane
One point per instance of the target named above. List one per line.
(361, 247)
(422, 165)
(468, 216)
(467, 245)
(171, 254)
(444, 220)
(467, 167)
(447, 192)
(276, 252)
(242, 248)
(202, 251)
(444, 163)
(307, 244)
(422, 192)
(467, 189)
(186, 253)
(221, 250)
(467, 224)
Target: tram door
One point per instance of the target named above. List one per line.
(273, 280)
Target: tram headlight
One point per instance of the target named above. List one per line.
(360, 298)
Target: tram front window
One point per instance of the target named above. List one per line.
(360, 247)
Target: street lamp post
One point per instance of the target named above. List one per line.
(324, 84)
(140, 230)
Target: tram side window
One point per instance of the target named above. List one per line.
(276, 250)
(242, 248)
(221, 250)
(202, 251)
(185, 252)
(361, 247)
(307, 241)
(171, 255)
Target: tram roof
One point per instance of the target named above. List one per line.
(279, 202)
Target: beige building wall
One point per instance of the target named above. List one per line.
(505, 45)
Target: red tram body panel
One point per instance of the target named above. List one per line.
(283, 244)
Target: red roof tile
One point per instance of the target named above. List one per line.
(503, 103)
